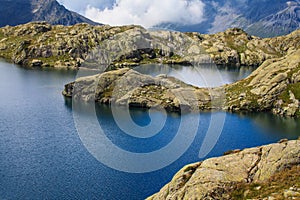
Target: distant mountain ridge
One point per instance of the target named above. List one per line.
(264, 18)
(15, 12)
(282, 22)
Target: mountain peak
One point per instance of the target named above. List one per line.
(25, 11)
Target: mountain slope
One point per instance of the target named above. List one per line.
(284, 21)
(15, 12)
(264, 18)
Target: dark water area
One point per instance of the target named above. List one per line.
(43, 156)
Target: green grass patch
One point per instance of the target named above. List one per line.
(276, 184)
(234, 91)
(231, 44)
(294, 88)
(1, 34)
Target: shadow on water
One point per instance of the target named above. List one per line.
(275, 124)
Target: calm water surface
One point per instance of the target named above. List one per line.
(206, 75)
(42, 156)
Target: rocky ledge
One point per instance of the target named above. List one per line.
(41, 44)
(248, 174)
(274, 86)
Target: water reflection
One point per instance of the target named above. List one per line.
(275, 124)
(205, 75)
(240, 131)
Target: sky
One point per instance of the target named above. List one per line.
(147, 13)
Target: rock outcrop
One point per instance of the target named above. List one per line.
(236, 47)
(274, 86)
(55, 46)
(128, 87)
(216, 178)
(70, 46)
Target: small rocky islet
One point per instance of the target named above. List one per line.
(267, 172)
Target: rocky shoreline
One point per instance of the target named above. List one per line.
(40, 44)
(223, 177)
(274, 87)
(128, 87)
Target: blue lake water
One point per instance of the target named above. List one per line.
(43, 157)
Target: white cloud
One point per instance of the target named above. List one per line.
(148, 12)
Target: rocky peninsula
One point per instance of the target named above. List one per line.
(266, 172)
(274, 86)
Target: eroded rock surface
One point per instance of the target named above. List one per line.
(214, 178)
(71, 46)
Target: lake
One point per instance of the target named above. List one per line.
(44, 156)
